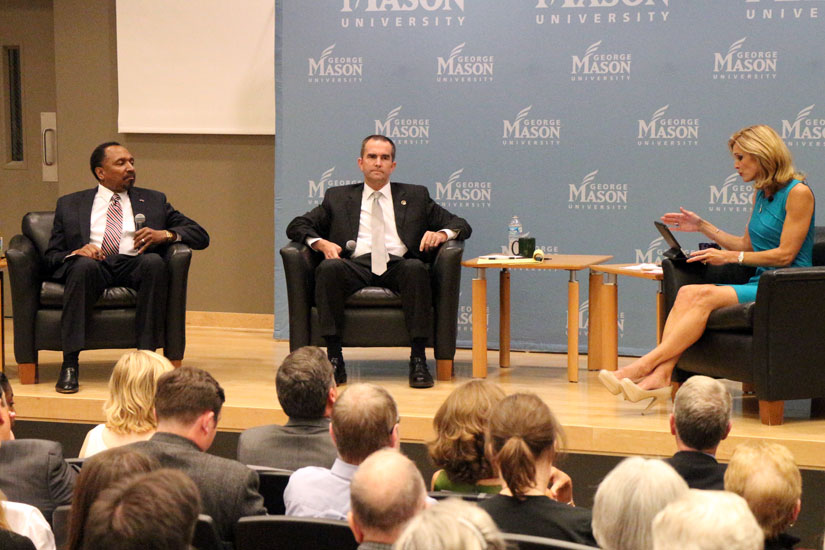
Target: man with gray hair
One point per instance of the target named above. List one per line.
(364, 420)
(700, 421)
(386, 492)
(306, 391)
(707, 520)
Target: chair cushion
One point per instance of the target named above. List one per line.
(737, 317)
(374, 296)
(51, 295)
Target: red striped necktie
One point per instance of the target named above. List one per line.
(114, 227)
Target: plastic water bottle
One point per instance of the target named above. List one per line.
(514, 232)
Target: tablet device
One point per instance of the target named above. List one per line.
(675, 252)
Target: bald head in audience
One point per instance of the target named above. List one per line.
(707, 520)
(364, 419)
(386, 492)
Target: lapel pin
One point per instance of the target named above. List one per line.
(403, 203)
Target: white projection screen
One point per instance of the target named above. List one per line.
(196, 66)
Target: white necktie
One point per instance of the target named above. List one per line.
(379, 247)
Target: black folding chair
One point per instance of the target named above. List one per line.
(292, 533)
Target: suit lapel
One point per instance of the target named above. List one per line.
(353, 208)
(399, 206)
(84, 214)
(138, 204)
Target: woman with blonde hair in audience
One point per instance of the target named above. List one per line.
(451, 524)
(767, 477)
(523, 438)
(458, 448)
(628, 499)
(99, 472)
(130, 414)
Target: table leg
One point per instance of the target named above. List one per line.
(610, 326)
(504, 318)
(594, 322)
(573, 328)
(660, 314)
(480, 324)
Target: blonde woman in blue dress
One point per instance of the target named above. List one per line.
(779, 234)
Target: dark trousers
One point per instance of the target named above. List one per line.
(335, 280)
(85, 280)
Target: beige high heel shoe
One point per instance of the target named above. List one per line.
(609, 381)
(634, 394)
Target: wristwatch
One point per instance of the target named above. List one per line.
(741, 257)
(171, 237)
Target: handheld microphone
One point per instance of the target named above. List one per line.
(140, 221)
(350, 247)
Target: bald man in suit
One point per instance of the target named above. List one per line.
(396, 227)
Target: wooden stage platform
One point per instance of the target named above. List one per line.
(244, 362)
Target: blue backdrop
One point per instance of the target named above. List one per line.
(586, 118)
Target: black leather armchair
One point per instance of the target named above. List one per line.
(373, 316)
(775, 345)
(38, 302)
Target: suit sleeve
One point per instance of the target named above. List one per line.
(315, 223)
(61, 478)
(440, 218)
(58, 247)
(251, 503)
(190, 232)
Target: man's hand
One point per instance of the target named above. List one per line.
(146, 237)
(432, 239)
(330, 250)
(561, 487)
(90, 251)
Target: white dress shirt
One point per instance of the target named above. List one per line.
(98, 221)
(29, 521)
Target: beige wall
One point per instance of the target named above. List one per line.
(223, 182)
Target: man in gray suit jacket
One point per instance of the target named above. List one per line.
(187, 405)
(306, 390)
(32, 471)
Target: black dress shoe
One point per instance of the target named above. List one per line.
(67, 380)
(420, 376)
(340, 370)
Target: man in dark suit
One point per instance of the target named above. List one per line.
(33, 471)
(188, 404)
(377, 233)
(700, 421)
(96, 243)
(306, 391)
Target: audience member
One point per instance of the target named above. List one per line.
(5, 387)
(26, 521)
(523, 436)
(627, 500)
(707, 520)
(33, 471)
(451, 525)
(188, 405)
(766, 476)
(700, 421)
(153, 511)
(364, 420)
(129, 409)
(99, 472)
(306, 391)
(9, 540)
(458, 448)
(386, 492)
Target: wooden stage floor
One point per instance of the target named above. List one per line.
(244, 362)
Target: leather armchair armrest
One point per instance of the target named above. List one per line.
(299, 270)
(26, 273)
(446, 280)
(178, 257)
(676, 274)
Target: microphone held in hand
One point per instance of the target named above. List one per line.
(349, 248)
(140, 221)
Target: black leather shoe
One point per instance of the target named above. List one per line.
(420, 376)
(340, 370)
(67, 380)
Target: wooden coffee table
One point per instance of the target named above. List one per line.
(568, 262)
(603, 336)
